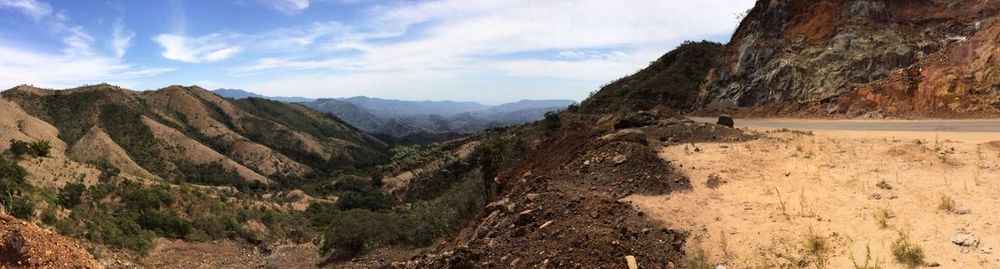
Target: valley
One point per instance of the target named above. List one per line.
(821, 134)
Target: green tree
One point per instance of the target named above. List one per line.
(19, 148)
(71, 194)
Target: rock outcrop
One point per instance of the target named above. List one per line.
(857, 56)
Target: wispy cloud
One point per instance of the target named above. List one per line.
(77, 62)
(207, 48)
(287, 6)
(120, 38)
(31, 8)
(18, 66)
(582, 42)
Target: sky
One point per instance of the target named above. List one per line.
(489, 51)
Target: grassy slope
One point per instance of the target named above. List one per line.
(672, 80)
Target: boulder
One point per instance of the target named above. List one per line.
(965, 240)
(725, 120)
(638, 119)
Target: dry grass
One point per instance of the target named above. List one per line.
(882, 217)
(781, 203)
(869, 262)
(907, 252)
(700, 260)
(815, 248)
(946, 203)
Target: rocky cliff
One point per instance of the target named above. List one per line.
(923, 57)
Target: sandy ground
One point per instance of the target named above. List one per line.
(777, 189)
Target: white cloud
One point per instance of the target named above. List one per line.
(76, 62)
(34, 9)
(18, 66)
(120, 38)
(412, 47)
(207, 48)
(288, 6)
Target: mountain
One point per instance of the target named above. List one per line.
(673, 80)
(528, 105)
(189, 134)
(429, 119)
(240, 94)
(920, 58)
(391, 107)
(351, 113)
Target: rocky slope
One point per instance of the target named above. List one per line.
(24, 245)
(188, 133)
(919, 58)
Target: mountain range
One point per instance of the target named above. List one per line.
(401, 119)
(186, 134)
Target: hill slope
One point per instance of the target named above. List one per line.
(190, 134)
(673, 80)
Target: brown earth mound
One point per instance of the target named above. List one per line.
(559, 207)
(24, 245)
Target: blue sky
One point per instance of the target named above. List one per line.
(488, 51)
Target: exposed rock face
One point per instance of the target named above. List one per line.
(877, 51)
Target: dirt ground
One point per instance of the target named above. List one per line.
(226, 254)
(772, 194)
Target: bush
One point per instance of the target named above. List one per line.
(356, 231)
(71, 194)
(373, 201)
(22, 208)
(40, 148)
(163, 223)
(907, 252)
(37, 148)
(18, 148)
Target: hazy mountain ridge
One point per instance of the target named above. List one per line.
(402, 118)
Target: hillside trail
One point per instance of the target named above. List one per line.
(852, 186)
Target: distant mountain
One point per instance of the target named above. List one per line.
(240, 94)
(528, 105)
(400, 119)
(390, 107)
(432, 119)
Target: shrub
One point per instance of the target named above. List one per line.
(22, 208)
(367, 200)
(356, 231)
(946, 203)
(12, 171)
(882, 217)
(907, 252)
(40, 148)
(37, 148)
(140, 198)
(71, 194)
(19, 148)
(49, 216)
(816, 247)
(163, 223)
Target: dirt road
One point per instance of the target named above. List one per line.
(979, 125)
(971, 131)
